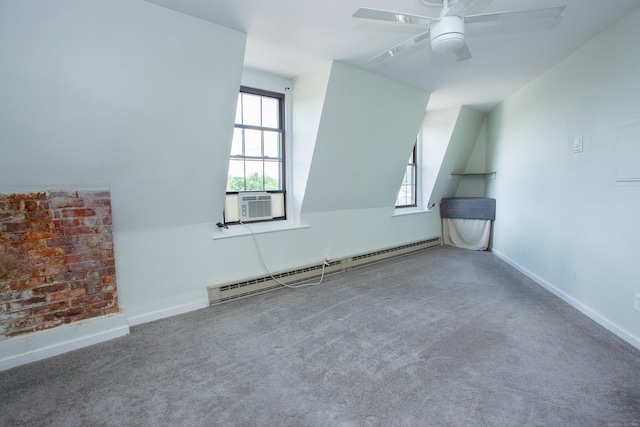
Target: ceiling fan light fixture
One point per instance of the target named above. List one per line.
(447, 35)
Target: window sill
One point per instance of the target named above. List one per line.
(261, 228)
(414, 211)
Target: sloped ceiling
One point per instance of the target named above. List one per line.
(365, 133)
(291, 37)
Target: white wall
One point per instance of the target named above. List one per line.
(367, 129)
(141, 99)
(135, 97)
(561, 216)
(450, 138)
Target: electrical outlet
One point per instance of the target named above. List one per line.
(326, 254)
(577, 144)
(637, 306)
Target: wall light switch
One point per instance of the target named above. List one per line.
(577, 144)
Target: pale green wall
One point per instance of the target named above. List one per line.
(141, 99)
(475, 186)
(131, 96)
(450, 137)
(367, 128)
(561, 217)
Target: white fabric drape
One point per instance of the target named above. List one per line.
(466, 233)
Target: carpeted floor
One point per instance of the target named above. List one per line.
(445, 337)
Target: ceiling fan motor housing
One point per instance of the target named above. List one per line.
(447, 34)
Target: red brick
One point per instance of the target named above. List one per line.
(63, 193)
(68, 277)
(74, 213)
(80, 230)
(14, 205)
(21, 285)
(58, 202)
(111, 288)
(25, 303)
(50, 307)
(105, 246)
(102, 305)
(108, 263)
(108, 279)
(94, 193)
(97, 202)
(49, 289)
(71, 312)
(102, 272)
(10, 296)
(11, 216)
(90, 281)
(105, 221)
(38, 235)
(46, 257)
(67, 295)
(84, 266)
(64, 239)
(13, 227)
(88, 300)
(50, 270)
(70, 222)
(30, 205)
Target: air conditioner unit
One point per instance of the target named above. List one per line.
(254, 206)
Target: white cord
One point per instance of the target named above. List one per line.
(302, 285)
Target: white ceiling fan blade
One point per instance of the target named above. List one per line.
(517, 15)
(463, 53)
(387, 15)
(460, 7)
(400, 48)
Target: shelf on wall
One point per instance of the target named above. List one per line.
(483, 175)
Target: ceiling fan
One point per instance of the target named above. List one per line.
(447, 31)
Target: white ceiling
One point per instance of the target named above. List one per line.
(291, 37)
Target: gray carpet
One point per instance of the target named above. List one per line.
(445, 337)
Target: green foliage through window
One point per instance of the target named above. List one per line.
(254, 182)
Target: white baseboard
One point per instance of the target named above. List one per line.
(596, 317)
(161, 313)
(40, 345)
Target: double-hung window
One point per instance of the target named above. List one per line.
(407, 196)
(256, 181)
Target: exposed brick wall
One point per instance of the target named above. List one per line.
(56, 259)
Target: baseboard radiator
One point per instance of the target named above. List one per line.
(258, 285)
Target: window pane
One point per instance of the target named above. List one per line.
(236, 144)
(272, 144)
(272, 175)
(407, 193)
(257, 153)
(236, 175)
(252, 143)
(270, 115)
(251, 109)
(254, 174)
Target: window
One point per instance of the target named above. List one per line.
(408, 189)
(256, 163)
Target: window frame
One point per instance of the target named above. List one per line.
(281, 129)
(413, 164)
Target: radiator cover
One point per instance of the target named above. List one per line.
(257, 285)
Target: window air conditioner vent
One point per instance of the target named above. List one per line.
(254, 206)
